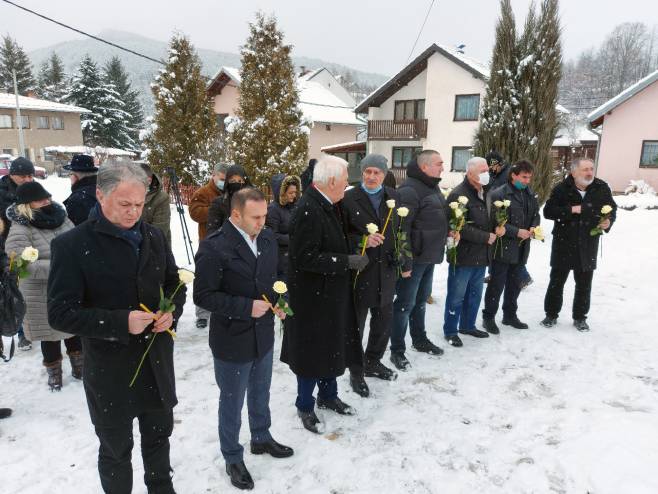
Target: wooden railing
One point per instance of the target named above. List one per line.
(399, 130)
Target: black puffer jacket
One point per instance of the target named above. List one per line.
(499, 179)
(278, 216)
(7, 198)
(427, 223)
(82, 199)
(473, 248)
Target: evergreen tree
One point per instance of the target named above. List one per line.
(13, 57)
(183, 131)
(105, 125)
(269, 134)
(116, 75)
(51, 83)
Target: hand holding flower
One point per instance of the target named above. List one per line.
(163, 321)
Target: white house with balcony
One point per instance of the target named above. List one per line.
(432, 103)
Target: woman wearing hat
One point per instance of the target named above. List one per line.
(36, 221)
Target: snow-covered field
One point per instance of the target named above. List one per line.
(542, 410)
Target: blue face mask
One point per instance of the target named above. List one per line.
(372, 192)
(520, 186)
(219, 184)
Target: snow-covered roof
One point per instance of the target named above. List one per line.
(321, 105)
(8, 100)
(342, 145)
(581, 134)
(595, 117)
(89, 150)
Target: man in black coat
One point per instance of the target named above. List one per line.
(322, 338)
(575, 205)
(513, 248)
(374, 287)
(286, 191)
(83, 188)
(498, 171)
(426, 228)
(236, 270)
(100, 274)
(466, 278)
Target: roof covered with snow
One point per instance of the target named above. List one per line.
(390, 87)
(93, 151)
(581, 134)
(8, 100)
(595, 118)
(341, 145)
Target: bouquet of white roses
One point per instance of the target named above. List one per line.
(501, 218)
(19, 264)
(457, 221)
(401, 242)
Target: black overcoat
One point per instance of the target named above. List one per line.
(321, 339)
(228, 280)
(573, 246)
(82, 199)
(96, 279)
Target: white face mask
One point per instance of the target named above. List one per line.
(483, 178)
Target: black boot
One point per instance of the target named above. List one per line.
(358, 384)
(454, 340)
(490, 325)
(311, 422)
(240, 476)
(514, 322)
(549, 322)
(5, 412)
(54, 370)
(476, 333)
(400, 361)
(427, 346)
(77, 360)
(201, 323)
(581, 325)
(374, 368)
(272, 448)
(336, 405)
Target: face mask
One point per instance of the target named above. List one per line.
(483, 178)
(48, 209)
(519, 186)
(372, 192)
(233, 187)
(219, 184)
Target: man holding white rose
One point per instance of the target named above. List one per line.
(236, 271)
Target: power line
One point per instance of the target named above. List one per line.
(421, 30)
(84, 33)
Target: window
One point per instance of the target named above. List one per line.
(649, 156)
(467, 106)
(413, 109)
(7, 151)
(5, 121)
(58, 123)
(25, 122)
(43, 123)
(327, 127)
(402, 155)
(460, 155)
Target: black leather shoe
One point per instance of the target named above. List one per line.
(549, 322)
(374, 368)
(272, 448)
(5, 412)
(336, 405)
(476, 333)
(399, 361)
(514, 322)
(310, 421)
(491, 326)
(427, 347)
(454, 340)
(240, 476)
(359, 385)
(581, 325)
(201, 323)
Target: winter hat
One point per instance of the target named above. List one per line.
(21, 166)
(236, 170)
(374, 161)
(494, 156)
(31, 191)
(81, 163)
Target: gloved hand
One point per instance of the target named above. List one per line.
(357, 262)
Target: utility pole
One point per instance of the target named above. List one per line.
(19, 120)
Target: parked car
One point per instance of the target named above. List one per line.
(5, 163)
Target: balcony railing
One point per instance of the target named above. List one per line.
(397, 130)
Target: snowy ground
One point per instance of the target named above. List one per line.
(542, 410)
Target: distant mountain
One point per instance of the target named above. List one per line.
(142, 71)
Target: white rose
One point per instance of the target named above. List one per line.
(463, 200)
(402, 212)
(280, 287)
(507, 203)
(458, 213)
(453, 205)
(390, 203)
(30, 254)
(537, 233)
(498, 204)
(372, 228)
(185, 276)
(606, 209)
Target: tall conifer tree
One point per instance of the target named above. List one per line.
(116, 75)
(13, 57)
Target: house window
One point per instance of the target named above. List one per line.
(460, 156)
(221, 121)
(649, 156)
(403, 155)
(58, 123)
(5, 121)
(413, 109)
(43, 123)
(467, 106)
(327, 127)
(25, 122)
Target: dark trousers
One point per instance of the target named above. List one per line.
(465, 286)
(115, 452)
(52, 350)
(581, 299)
(411, 296)
(381, 319)
(327, 390)
(507, 277)
(235, 379)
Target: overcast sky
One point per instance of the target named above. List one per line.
(370, 35)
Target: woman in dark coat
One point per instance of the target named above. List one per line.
(286, 192)
(220, 208)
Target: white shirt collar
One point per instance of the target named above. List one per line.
(324, 195)
(253, 244)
